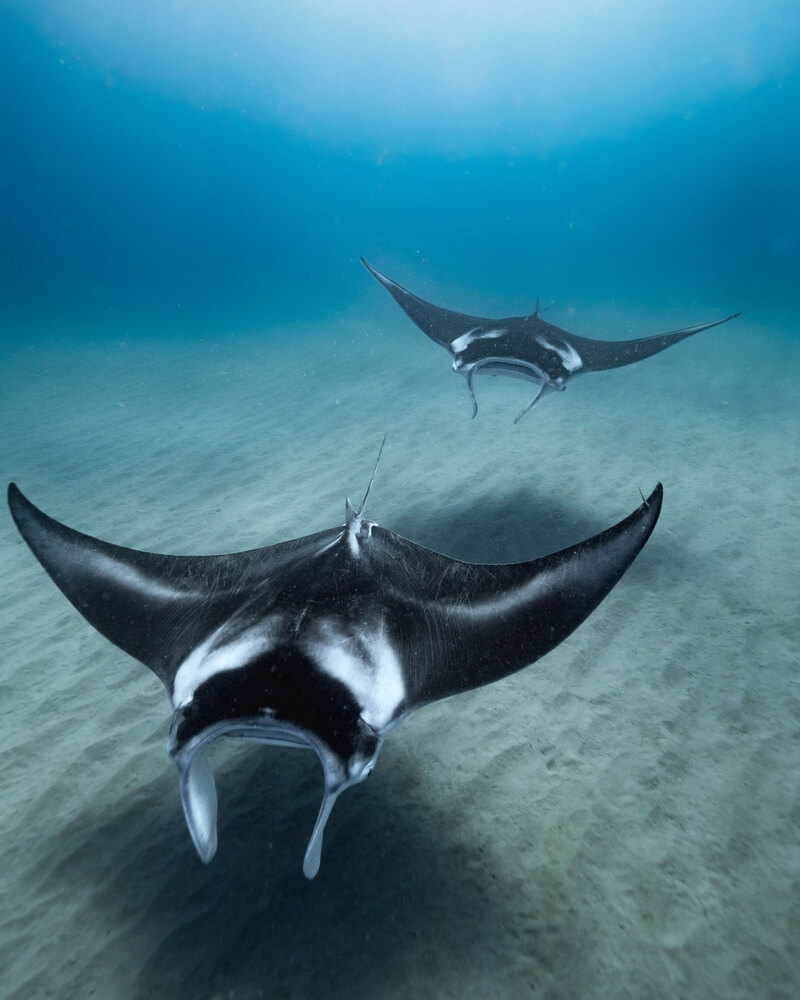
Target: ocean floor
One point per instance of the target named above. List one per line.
(621, 819)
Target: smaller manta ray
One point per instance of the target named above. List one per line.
(524, 346)
(325, 642)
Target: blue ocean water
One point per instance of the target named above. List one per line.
(139, 201)
(193, 360)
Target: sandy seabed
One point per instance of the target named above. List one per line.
(621, 819)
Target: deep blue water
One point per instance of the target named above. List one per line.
(127, 208)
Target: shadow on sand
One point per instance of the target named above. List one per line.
(402, 899)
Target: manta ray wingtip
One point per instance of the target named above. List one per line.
(33, 524)
(375, 273)
(654, 500)
(16, 499)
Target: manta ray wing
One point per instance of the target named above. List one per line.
(155, 607)
(600, 355)
(443, 326)
(463, 625)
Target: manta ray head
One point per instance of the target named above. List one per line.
(277, 695)
(524, 352)
(487, 355)
(526, 349)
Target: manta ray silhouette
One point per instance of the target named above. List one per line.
(324, 642)
(524, 346)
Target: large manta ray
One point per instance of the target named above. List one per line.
(324, 642)
(524, 346)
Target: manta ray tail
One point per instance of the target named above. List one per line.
(353, 516)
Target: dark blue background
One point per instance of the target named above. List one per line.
(124, 210)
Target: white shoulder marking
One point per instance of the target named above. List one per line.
(375, 679)
(214, 655)
(462, 343)
(570, 358)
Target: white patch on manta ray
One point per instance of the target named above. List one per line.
(375, 680)
(570, 358)
(462, 343)
(205, 661)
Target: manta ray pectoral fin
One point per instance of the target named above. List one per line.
(601, 355)
(443, 326)
(199, 800)
(484, 622)
(157, 608)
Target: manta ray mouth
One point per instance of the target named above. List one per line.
(511, 368)
(199, 792)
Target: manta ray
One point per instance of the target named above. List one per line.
(324, 642)
(524, 346)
